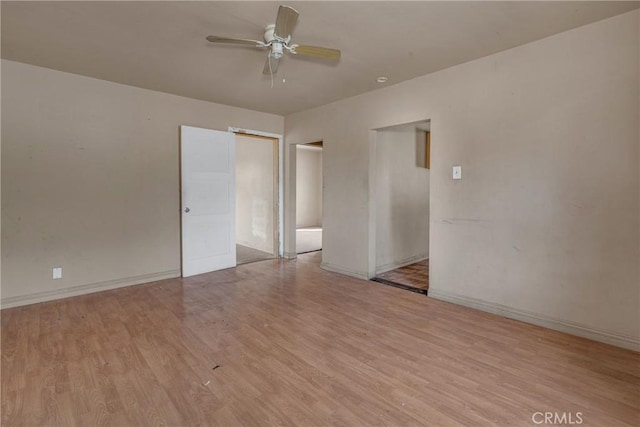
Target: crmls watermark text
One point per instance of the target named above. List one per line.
(557, 418)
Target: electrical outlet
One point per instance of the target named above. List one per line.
(457, 172)
(57, 273)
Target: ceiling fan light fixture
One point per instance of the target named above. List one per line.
(276, 50)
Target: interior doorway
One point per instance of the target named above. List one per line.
(257, 195)
(309, 197)
(402, 177)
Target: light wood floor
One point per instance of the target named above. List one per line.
(285, 343)
(245, 254)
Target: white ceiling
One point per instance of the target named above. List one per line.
(162, 46)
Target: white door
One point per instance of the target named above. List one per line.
(208, 200)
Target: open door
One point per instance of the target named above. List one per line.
(208, 200)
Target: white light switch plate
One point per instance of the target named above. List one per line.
(57, 272)
(457, 172)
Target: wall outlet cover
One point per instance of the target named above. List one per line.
(457, 172)
(57, 273)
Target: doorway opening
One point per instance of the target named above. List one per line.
(401, 202)
(257, 195)
(213, 221)
(309, 197)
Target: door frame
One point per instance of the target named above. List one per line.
(279, 181)
(372, 221)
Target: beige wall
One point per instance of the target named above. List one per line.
(544, 225)
(401, 198)
(90, 180)
(308, 186)
(255, 193)
(1, 210)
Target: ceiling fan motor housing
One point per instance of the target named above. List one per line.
(269, 33)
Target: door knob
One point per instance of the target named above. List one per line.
(187, 210)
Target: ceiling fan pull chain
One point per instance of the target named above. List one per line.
(270, 71)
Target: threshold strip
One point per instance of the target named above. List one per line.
(400, 285)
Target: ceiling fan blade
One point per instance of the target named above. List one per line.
(286, 20)
(246, 42)
(317, 52)
(271, 65)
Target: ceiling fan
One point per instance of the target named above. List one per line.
(277, 38)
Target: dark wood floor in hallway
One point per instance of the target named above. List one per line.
(286, 343)
(414, 275)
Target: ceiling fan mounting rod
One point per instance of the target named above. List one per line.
(271, 36)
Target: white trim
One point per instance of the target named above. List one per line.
(347, 272)
(280, 200)
(308, 147)
(372, 226)
(625, 341)
(86, 289)
(291, 213)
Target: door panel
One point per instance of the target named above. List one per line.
(208, 200)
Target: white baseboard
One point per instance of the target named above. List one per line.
(290, 255)
(86, 289)
(625, 341)
(398, 264)
(347, 272)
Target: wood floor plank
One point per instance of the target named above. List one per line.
(286, 343)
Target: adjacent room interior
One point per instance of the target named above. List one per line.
(309, 197)
(256, 198)
(492, 147)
